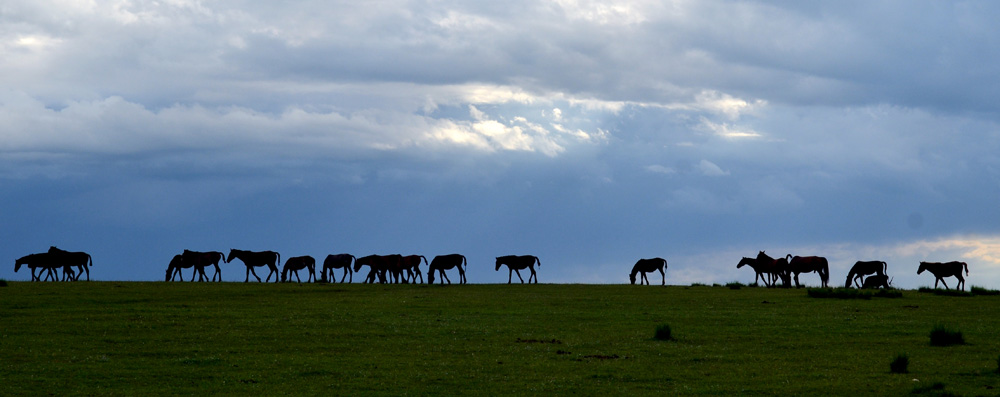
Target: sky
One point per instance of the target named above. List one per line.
(587, 133)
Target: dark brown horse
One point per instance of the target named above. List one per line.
(336, 262)
(942, 270)
(176, 264)
(411, 264)
(378, 265)
(808, 264)
(200, 260)
(81, 260)
(45, 261)
(297, 263)
(648, 266)
(876, 282)
(761, 272)
(517, 263)
(777, 268)
(253, 259)
(441, 263)
(861, 269)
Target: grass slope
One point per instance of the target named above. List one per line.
(172, 338)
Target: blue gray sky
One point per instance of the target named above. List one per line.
(588, 133)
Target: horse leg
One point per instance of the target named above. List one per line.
(533, 275)
(518, 271)
(444, 276)
(461, 274)
(942, 282)
(664, 275)
(254, 273)
(961, 281)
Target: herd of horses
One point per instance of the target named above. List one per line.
(864, 274)
(406, 269)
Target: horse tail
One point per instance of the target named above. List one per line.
(966, 268)
(664, 263)
(425, 261)
(788, 258)
(465, 263)
(824, 275)
(885, 268)
(539, 261)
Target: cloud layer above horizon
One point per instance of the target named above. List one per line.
(588, 133)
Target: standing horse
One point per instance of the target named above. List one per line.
(516, 263)
(759, 270)
(411, 264)
(44, 261)
(861, 269)
(81, 260)
(297, 263)
(648, 266)
(807, 264)
(336, 262)
(253, 259)
(776, 268)
(942, 270)
(445, 262)
(200, 260)
(377, 266)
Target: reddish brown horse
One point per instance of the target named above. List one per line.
(762, 272)
(441, 263)
(808, 264)
(777, 268)
(648, 266)
(864, 268)
(253, 259)
(336, 262)
(942, 270)
(517, 263)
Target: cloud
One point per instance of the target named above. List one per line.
(709, 168)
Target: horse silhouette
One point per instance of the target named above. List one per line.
(517, 263)
(336, 262)
(200, 260)
(393, 265)
(649, 266)
(942, 270)
(253, 259)
(441, 263)
(378, 265)
(761, 272)
(174, 268)
(877, 281)
(297, 263)
(777, 268)
(808, 264)
(411, 264)
(47, 262)
(81, 260)
(861, 269)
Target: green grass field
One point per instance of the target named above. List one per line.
(130, 338)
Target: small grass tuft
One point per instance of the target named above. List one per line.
(900, 364)
(734, 285)
(983, 291)
(663, 333)
(945, 292)
(942, 336)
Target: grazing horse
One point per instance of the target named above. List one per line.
(81, 260)
(445, 262)
(942, 270)
(253, 259)
(776, 268)
(378, 265)
(411, 264)
(807, 264)
(44, 261)
(761, 272)
(647, 266)
(175, 266)
(877, 281)
(861, 269)
(336, 262)
(517, 263)
(297, 263)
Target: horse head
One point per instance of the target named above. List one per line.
(632, 278)
(430, 276)
(499, 263)
(232, 254)
(923, 266)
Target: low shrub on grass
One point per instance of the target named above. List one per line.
(900, 364)
(3, 283)
(945, 292)
(942, 336)
(983, 291)
(663, 333)
(734, 285)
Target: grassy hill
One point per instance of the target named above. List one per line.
(170, 338)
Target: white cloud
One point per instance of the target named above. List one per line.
(659, 169)
(709, 168)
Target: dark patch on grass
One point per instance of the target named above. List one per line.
(935, 389)
(552, 341)
(562, 352)
(663, 333)
(942, 336)
(3, 283)
(945, 292)
(734, 285)
(851, 293)
(201, 362)
(248, 381)
(602, 357)
(315, 373)
(983, 291)
(899, 364)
